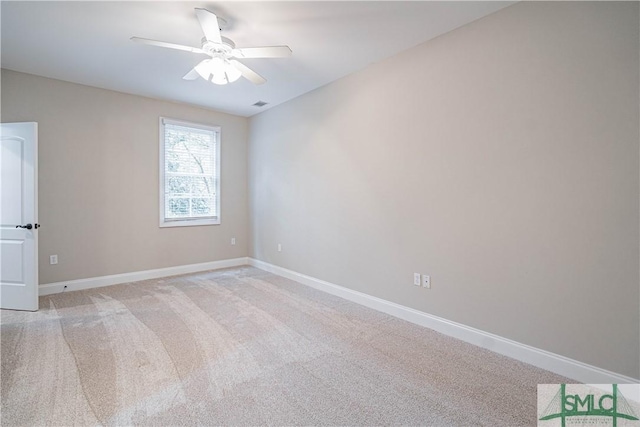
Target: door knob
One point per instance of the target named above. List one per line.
(28, 226)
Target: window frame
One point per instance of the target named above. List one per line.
(188, 222)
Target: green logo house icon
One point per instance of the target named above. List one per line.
(588, 405)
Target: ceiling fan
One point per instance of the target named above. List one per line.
(222, 67)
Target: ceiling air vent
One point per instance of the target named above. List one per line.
(260, 104)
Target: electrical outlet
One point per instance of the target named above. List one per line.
(416, 279)
(426, 281)
(233, 240)
(279, 247)
(53, 259)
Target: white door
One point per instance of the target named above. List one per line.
(19, 216)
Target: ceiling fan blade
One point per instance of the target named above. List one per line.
(263, 52)
(191, 75)
(168, 45)
(209, 23)
(248, 73)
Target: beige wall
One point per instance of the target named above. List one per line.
(98, 180)
(501, 159)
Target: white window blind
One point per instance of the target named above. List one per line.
(189, 174)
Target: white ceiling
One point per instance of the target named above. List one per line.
(88, 43)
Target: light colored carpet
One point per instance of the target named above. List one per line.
(245, 347)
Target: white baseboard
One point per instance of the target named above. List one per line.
(116, 279)
(560, 365)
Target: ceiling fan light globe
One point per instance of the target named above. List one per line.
(204, 69)
(221, 71)
(216, 63)
(232, 72)
(218, 70)
(219, 78)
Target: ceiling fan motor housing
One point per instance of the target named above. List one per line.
(212, 48)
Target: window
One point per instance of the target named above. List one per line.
(189, 174)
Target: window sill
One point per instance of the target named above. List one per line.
(189, 222)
